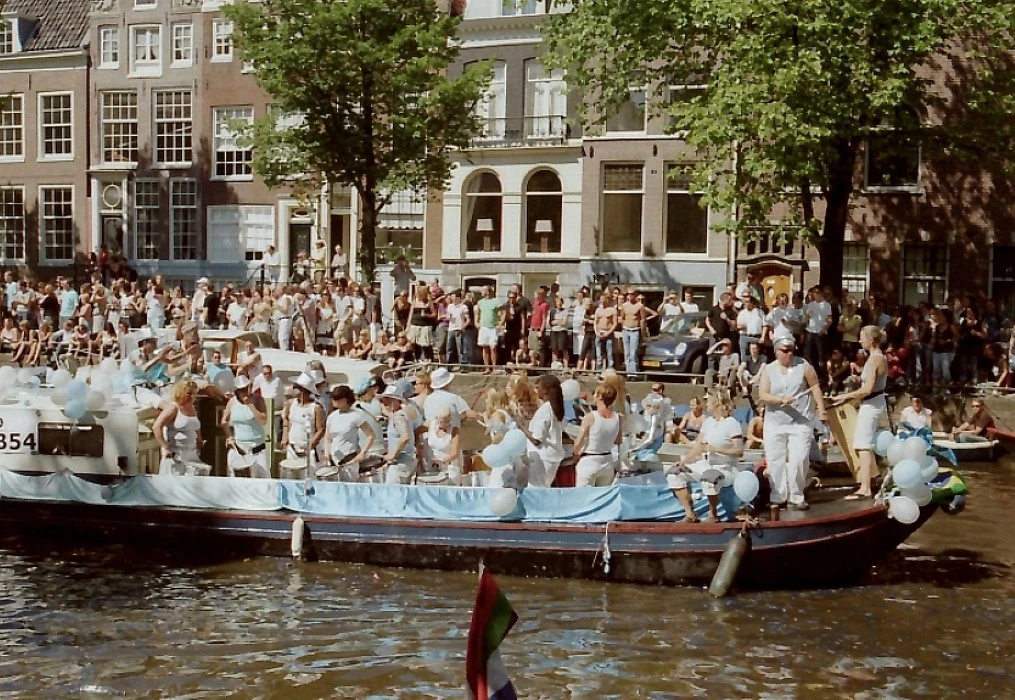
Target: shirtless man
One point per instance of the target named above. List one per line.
(605, 325)
(632, 315)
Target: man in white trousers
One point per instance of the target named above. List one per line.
(792, 394)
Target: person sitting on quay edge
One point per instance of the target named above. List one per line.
(975, 428)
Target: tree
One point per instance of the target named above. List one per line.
(788, 93)
(360, 97)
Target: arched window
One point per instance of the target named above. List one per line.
(482, 214)
(543, 202)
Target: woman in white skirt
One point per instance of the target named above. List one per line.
(178, 432)
(601, 431)
(872, 409)
(246, 422)
(545, 450)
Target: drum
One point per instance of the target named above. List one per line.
(327, 474)
(242, 470)
(438, 479)
(293, 469)
(198, 469)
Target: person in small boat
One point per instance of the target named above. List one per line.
(790, 388)
(601, 431)
(711, 461)
(303, 422)
(443, 439)
(246, 423)
(915, 416)
(545, 433)
(400, 438)
(974, 428)
(756, 431)
(873, 407)
(342, 433)
(687, 430)
(178, 431)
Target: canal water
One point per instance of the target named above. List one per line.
(935, 621)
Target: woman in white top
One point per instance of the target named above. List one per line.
(246, 422)
(443, 441)
(789, 387)
(342, 434)
(400, 437)
(178, 431)
(545, 432)
(303, 422)
(719, 445)
(237, 313)
(871, 393)
(325, 331)
(601, 430)
(155, 308)
(498, 421)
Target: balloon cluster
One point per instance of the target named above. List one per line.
(502, 453)
(912, 468)
(77, 397)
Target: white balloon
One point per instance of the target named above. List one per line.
(25, 376)
(49, 375)
(514, 443)
(570, 389)
(103, 384)
(59, 397)
(503, 501)
(8, 375)
(60, 378)
(914, 447)
(904, 509)
(921, 493)
(496, 456)
(108, 366)
(74, 409)
(883, 439)
(76, 389)
(746, 486)
(896, 451)
(906, 473)
(928, 468)
(95, 400)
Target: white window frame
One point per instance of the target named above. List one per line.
(187, 125)
(521, 8)
(850, 282)
(142, 202)
(182, 38)
(174, 208)
(16, 131)
(109, 48)
(222, 40)
(470, 190)
(927, 278)
(545, 100)
(8, 37)
(224, 144)
(146, 4)
(6, 217)
(44, 124)
(119, 128)
(601, 243)
(44, 259)
(677, 189)
(672, 90)
(148, 67)
(251, 227)
(491, 108)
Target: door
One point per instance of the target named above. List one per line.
(112, 233)
(299, 242)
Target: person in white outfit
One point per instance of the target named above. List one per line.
(246, 422)
(178, 432)
(303, 423)
(545, 433)
(790, 389)
(712, 459)
(601, 431)
(916, 415)
(443, 441)
(285, 307)
(400, 437)
(871, 394)
(342, 431)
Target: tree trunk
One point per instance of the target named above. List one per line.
(368, 235)
(833, 230)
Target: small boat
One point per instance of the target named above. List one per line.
(966, 452)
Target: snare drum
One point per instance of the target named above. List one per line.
(327, 474)
(293, 469)
(241, 470)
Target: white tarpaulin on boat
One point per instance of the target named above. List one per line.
(174, 491)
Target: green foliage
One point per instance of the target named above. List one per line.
(794, 88)
(361, 89)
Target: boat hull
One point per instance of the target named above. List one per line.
(791, 553)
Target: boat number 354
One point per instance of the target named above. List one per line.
(17, 442)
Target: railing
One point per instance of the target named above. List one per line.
(505, 132)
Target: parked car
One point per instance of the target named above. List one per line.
(683, 350)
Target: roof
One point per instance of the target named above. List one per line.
(62, 24)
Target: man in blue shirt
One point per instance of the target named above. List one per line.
(68, 301)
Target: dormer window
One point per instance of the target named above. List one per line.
(6, 36)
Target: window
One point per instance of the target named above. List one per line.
(1002, 277)
(56, 122)
(233, 155)
(147, 216)
(686, 219)
(56, 224)
(544, 200)
(145, 4)
(109, 47)
(855, 267)
(146, 50)
(510, 8)
(173, 127)
(893, 162)
(400, 225)
(482, 214)
(239, 232)
(682, 94)
(924, 274)
(545, 101)
(222, 33)
(623, 190)
(183, 219)
(6, 36)
(492, 106)
(183, 45)
(629, 116)
(12, 127)
(12, 224)
(119, 127)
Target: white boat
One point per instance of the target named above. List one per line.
(966, 452)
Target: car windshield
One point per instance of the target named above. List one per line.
(685, 323)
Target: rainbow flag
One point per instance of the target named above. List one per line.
(492, 618)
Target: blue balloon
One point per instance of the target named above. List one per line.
(882, 441)
(74, 409)
(76, 389)
(907, 473)
(514, 442)
(746, 486)
(496, 456)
